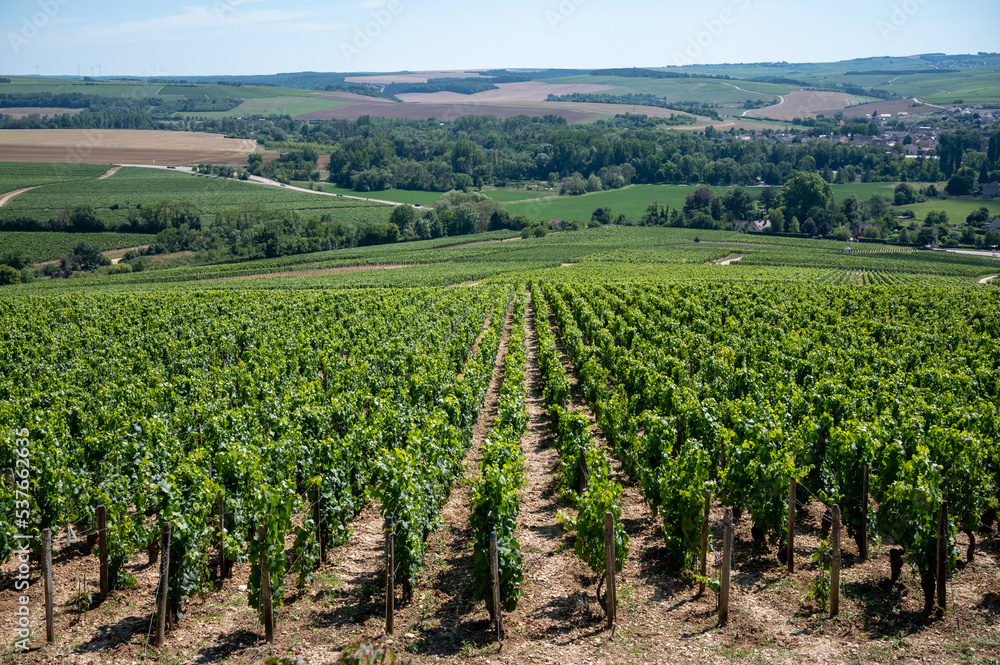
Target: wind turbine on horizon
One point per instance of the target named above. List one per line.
(36, 68)
(78, 70)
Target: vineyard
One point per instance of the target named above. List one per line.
(131, 188)
(531, 452)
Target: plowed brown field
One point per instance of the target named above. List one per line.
(121, 146)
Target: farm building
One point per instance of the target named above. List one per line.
(991, 191)
(994, 225)
(755, 226)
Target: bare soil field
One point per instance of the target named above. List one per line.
(414, 111)
(24, 111)
(351, 97)
(99, 146)
(892, 106)
(802, 103)
(528, 91)
(413, 77)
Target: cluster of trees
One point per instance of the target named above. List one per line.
(293, 165)
(14, 268)
(254, 232)
(805, 205)
(374, 154)
(149, 218)
(462, 86)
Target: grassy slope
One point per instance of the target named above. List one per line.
(632, 201)
(284, 105)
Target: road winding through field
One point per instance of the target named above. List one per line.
(9, 195)
(260, 180)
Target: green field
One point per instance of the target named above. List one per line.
(126, 88)
(975, 81)
(132, 187)
(283, 105)
(15, 175)
(956, 209)
(49, 245)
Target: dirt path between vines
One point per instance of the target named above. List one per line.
(5, 199)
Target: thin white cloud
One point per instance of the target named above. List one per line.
(193, 18)
(374, 4)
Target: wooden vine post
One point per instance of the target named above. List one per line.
(495, 573)
(102, 544)
(319, 521)
(50, 630)
(791, 525)
(942, 557)
(609, 560)
(863, 543)
(390, 578)
(161, 598)
(835, 567)
(727, 555)
(222, 538)
(265, 586)
(704, 542)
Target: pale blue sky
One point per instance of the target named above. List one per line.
(205, 37)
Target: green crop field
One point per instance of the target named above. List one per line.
(135, 88)
(283, 105)
(630, 201)
(49, 245)
(956, 209)
(132, 186)
(15, 175)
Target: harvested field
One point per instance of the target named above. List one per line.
(413, 111)
(802, 103)
(351, 97)
(892, 106)
(128, 146)
(529, 91)
(24, 111)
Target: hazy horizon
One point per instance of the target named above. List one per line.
(246, 37)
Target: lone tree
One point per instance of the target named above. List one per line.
(805, 191)
(403, 216)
